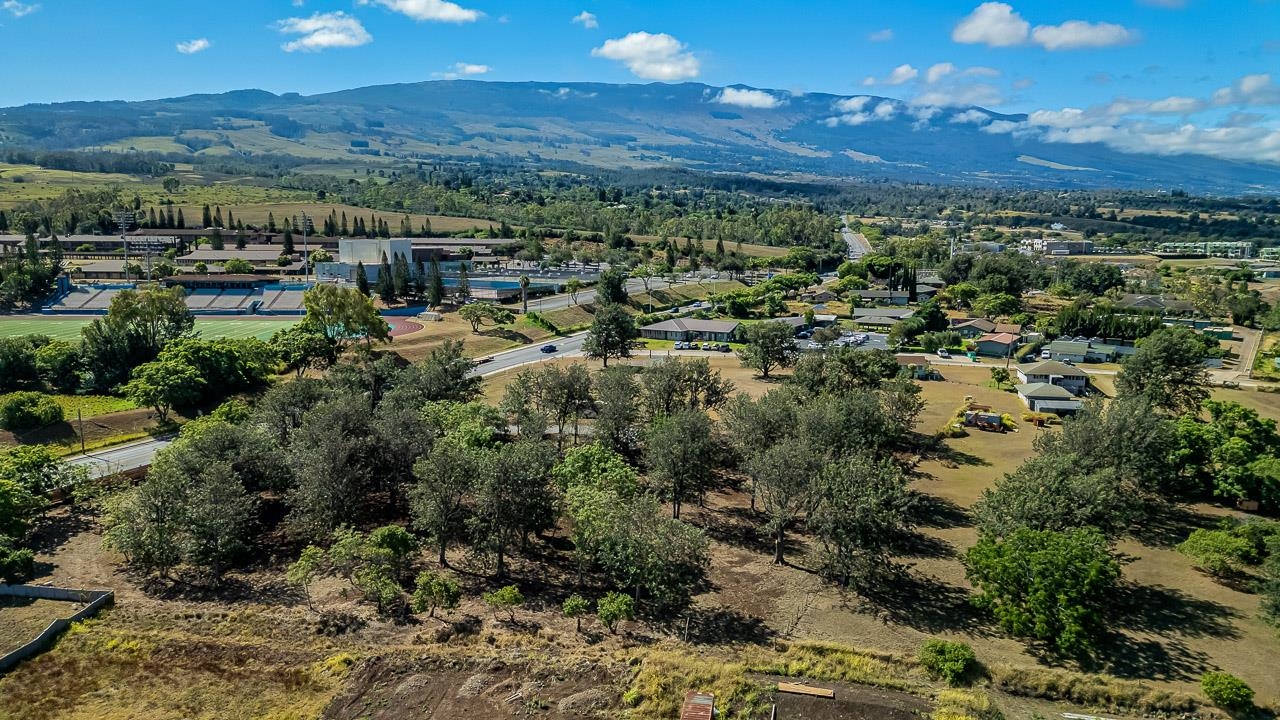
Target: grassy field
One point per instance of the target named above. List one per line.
(68, 328)
(90, 406)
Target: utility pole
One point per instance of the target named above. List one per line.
(124, 218)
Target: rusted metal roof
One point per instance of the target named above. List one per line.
(698, 706)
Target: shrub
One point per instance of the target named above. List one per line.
(432, 591)
(16, 564)
(613, 608)
(1226, 690)
(1218, 552)
(26, 410)
(950, 661)
(575, 607)
(507, 598)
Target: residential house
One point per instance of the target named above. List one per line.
(977, 327)
(691, 329)
(1043, 397)
(1072, 378)
(1063, 350)
(997, 344)
(917, 366)
(818, 296)
(881, 318)
(885, 297)
(1155, 303)
(925, 292)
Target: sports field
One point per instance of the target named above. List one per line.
(68, 328)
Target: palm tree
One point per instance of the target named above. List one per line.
(524, 294)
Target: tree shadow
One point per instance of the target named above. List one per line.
(1167, 526)
(914, 544)
(922, 602)
(1127, 657)
(228, 589)
(507, 334)
(718, 626)
(952, 458)
(738, 527)
(1164, 610)
(935, 512)
(57, 527)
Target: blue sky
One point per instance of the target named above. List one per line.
(1167, 65)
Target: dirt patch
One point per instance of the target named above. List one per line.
(22, 619)
(393, 688)
(851, 702)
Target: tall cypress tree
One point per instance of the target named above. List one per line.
(169, 222)
(345, 231)
(286, 242)
(206, 219)
(271, 221)
(401, 275)
(362, 279)
(435, 286)
(182, 223)
(464, 283)
(386, 285)
(215, 240)
(419, 279)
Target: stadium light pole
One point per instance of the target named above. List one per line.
(124, 218)
(306, 250)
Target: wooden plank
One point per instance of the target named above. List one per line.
(797, 689)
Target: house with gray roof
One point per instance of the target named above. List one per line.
(692, 329)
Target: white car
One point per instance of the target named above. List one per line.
(942, 353)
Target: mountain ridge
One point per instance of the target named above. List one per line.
(638, 125)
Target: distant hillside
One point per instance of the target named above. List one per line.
(617, 126)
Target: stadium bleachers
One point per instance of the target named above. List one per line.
(286, 300)
(76, 299)
(231, 299)
(198, 299)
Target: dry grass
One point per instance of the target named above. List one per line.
(829, 661)
(22, 619)
(664, 677)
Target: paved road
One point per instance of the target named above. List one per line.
(857, 242)
(567, 346)
(120, 458)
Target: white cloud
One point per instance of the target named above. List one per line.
(975, 117)
(938, 71)
(322, 31)
(191, 47)
(994, 24)
(651, 56)
(884, 35)
(463, 70)
(757, 99)
(900, 75)
(1023, 83)
(853, 104)
(1075, 34)
(18, 9)
(983, 94)
(586, 20)
(997, 24)
(432, 10)
(1249, 90)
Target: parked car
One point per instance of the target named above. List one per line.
(548, 349)
(942, 353)
(1046, 355)
(724, 347)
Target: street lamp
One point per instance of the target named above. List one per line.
(306, 250)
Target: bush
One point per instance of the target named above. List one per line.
(613, 608)
(1218, 552)
(950, 661)
(506, 598)
(16, 564)
(1226, 690)
(26, 410)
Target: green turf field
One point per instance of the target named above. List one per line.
(68, 328)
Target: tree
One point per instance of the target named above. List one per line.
(59, 366)
(524, 294)
(612, 331)
(512, 498)
(680, 455)
(303, 572)
(463, 290)
(145, 524)
(616, 411)
(613, 608)
(574, 607)
(999, 376)
(1167, 370)
(238, 266)
(506, 599)
(677, 384)
(485, 312)
(362, 279)
(445, 481)
(1049, 586)
(338, 461)
(1220, 553)
(435, 284)
(302, 348)
(769, 345)
(785, 478)
(163, 384)
(432, 591)
(1226, 690)
(218, 519)
(343, 315)
(17, 506)
(400, 275)
(137, 326)
(573, 286)
(171, 184)
(996, 305)
(612, 287)
(862, 504)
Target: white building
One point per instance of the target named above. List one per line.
(370, 252)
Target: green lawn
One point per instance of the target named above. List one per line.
(68, 328)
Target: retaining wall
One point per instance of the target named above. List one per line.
(94, 600)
